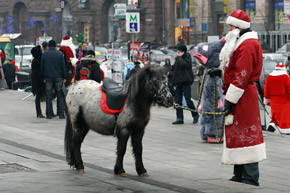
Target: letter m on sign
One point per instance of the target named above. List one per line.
(132, 22)
(133, 18)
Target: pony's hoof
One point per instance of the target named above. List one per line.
(123, 174)
(82, 171)
(144, 174)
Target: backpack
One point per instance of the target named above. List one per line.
(85, 72)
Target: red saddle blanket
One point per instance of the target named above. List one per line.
(104, 106)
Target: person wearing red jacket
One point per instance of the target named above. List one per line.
(277, 95)
(2, 56)
(241, 59)
(68, 47)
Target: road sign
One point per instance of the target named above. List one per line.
(192, 22)
(133, 22)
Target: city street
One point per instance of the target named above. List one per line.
(32, 157)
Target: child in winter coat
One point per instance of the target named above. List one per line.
(212, 94)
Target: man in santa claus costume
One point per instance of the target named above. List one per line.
(277, 95)
(68, 47)
(241, 61)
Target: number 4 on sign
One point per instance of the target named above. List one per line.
(133, 27)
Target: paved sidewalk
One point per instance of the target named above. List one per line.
(32, 157)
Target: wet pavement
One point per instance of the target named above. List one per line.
(32, 157)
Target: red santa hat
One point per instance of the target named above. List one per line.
(104, 60)
(239, 19)
(280, 66)
(66, 38)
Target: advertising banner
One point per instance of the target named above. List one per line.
(141, 51)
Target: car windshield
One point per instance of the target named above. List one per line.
(278, 56)
(101, 49)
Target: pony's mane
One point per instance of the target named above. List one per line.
(137, 82)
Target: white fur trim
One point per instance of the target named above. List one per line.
(266, 101)
(243, 155)
(69, 44)
(246, 36)
(234, 94)
(229, 120)
(238, 22)
(278, 72)
(282, 131)
(74, 61)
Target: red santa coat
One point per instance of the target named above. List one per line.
(68, 51)
(277, 95)
(2, 56)
(244, 142)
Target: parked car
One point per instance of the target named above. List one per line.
(102, 49)
(23, 50)
(274, 57)
(26, 63)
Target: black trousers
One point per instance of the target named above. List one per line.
(186, 91)
(249, 172)
(37, 104)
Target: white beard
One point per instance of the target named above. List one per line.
(228, 49)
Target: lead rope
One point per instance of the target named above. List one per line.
(214, 113)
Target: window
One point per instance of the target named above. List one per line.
(250, 8)
(182, 9)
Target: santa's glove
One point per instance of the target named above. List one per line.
(216, 72)
(228, 106)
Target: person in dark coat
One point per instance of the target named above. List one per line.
(54, 74)
(134, 70)
(182, 78)
(37, 83)
(95, 72)
(69, 69)
(9, 73)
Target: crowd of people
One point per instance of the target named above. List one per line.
(227, 60)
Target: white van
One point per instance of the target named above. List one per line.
(25, 52)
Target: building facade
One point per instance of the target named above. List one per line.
(161, 21)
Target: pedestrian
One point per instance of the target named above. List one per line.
(82, 51)
(241, 59)
(44, 46)
(3, 83)
(182, 78)
(128, 67)
(134, 70)
(68, 49)
(16, 67)
(9, 73)
(288, 65)
(37, 83)
(54, 75)
(89, 68)
(277, 95)
(168, 64)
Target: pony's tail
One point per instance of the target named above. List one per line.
(68, 142)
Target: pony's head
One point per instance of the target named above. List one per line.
(149, 83)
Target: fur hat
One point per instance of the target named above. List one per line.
(182, 48)
(90, 53)
(239, 19)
